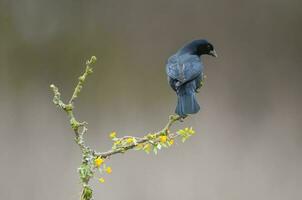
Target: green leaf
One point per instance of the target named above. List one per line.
(147, 148)
(87, 193)
(85, 172)
(138, 147)
(155, 150)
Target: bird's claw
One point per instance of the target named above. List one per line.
(182, 118)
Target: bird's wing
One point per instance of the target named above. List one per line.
(198, 82)
(172, 83)
(171, 67)
(184, 68)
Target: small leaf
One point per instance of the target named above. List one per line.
(155, 150)
(147, 148)
(164, 145)
(138, 147)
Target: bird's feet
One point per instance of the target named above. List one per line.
(177, 117)
(182, 118)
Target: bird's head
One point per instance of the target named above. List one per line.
(203, 47)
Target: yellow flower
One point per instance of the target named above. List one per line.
(112, 135)
(191, 131)
(117, 142)
(101, 180)
(171, 142)
(108, 170)
(163, 138)
(130, 140)
(181, 132)
(98, 161)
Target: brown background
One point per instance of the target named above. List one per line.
(249, 132)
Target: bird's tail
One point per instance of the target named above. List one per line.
(186, 102)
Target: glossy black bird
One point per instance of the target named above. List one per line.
(185, 73)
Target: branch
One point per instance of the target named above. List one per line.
(93, 160)
(148, 139)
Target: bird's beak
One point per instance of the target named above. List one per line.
(213, 53)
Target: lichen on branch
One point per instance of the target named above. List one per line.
(93, 161)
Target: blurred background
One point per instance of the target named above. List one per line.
(249, 132)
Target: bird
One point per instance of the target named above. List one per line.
(185, 74)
